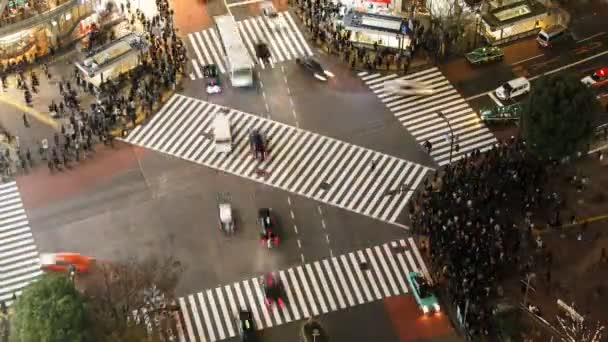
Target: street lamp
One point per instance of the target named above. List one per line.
(447, 121)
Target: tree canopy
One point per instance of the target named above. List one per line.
(48, 310)
(558, 119)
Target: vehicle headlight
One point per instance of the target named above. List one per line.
(319, 77)
(436, 307)
(425, 309)
(328, 73)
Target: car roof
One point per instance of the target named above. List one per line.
(602, 71)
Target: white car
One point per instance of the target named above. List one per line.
(408, 87)
(213, 87)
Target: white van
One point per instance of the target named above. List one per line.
(222, 135)
(513, 88)
(551, 34)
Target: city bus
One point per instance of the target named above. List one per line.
(239, 63)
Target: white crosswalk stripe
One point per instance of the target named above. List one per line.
(302, 162)
(312, 286)
(19, 258)
(283, 37)
(419, 114)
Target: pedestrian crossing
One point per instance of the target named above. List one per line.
(419, 115)
(19, 258)
(312, 289)
(315, 166)
(281, 34)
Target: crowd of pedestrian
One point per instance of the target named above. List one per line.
(117, 102)
(322, 20)
(469, 212)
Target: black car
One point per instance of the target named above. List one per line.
(257, 143)
(262, 52)
(245, 326)
(315, 68)
(273, 290)
(268, 236)
(210, 71)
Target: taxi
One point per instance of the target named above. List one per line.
(598, 79)
(422, 289)
(62, 262)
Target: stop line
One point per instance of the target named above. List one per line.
(315, 166)
(19, 258)
(420, 115)
(312, 289)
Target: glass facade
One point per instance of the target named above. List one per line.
(30, 28)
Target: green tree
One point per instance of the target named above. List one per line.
(558, 119)
(50, 309)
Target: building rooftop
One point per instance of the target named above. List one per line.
(512, 11)
(113, 51)
(374, 22)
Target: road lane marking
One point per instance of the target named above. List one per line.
(527, 59)
(590, 37)
(396, 271)
(546, 73)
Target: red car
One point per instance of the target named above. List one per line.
(598, 79)
(60, 262)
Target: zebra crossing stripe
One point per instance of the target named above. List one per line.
(299, 161)
(326, 290)
(351, 278)
(384, 265)
(312, 285)
(315, 287)
(253, 305)
(298, 33)
(197, 69)
(260, 297)
(206, 316)
(414, 248)
(419, 114)
(334, 285)
(216, 49)
(216, 317)
(309, 297)
(19, 258)
(355, 264)
(343, 284)
(396, 270)
(290, 298)
(368, 275)
(184, 310)
(294, 282)
(227, 318)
